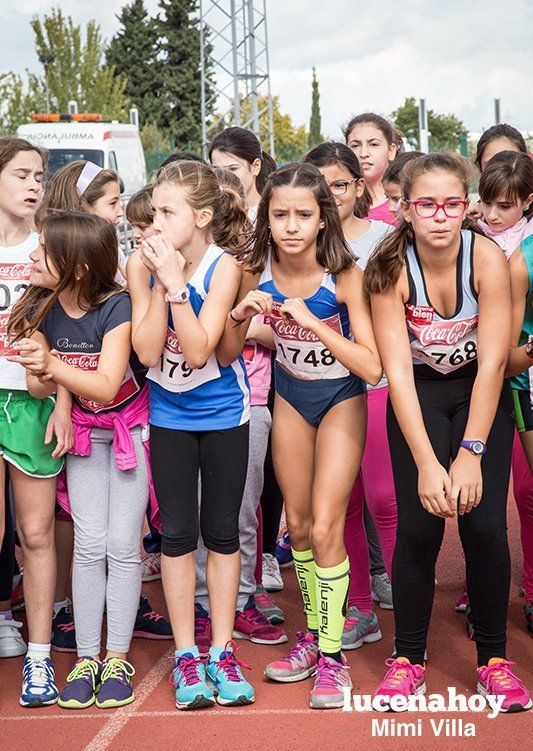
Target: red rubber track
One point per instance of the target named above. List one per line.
(280, 718)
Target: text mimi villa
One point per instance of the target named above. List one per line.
(390, 728)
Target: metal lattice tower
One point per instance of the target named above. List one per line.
(234, 35)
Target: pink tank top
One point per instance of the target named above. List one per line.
(381, 213)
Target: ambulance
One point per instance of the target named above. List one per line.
(69, 138)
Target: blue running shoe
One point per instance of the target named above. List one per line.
(224, 672)
(115, 687)
(284, 551)
(189, 681)
(38, 683)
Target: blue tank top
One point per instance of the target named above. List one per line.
(298, 349)
(208, 398)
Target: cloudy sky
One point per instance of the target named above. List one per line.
(369, 56)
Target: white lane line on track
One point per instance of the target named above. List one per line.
(217, 712)
(121, 717)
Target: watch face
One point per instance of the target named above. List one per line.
(477, 447)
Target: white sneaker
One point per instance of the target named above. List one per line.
(11, 642)
(272, 580)
(151, 567)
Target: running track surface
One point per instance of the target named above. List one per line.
(280, 717)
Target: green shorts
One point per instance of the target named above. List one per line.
(23, 421)
(523, 410)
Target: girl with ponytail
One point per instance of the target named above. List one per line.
(183, 285)
(441, 306)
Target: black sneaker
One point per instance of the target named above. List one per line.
(64, 631)
(528, 612)
(149, 624)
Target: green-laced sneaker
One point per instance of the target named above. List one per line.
(83, 682)
(115, 689)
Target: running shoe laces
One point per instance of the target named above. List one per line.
(230, 665)
(270, 565)
(400, 671)
(37, 673)
(299, 649)
(500, 676)
(117, 668)
(187, 666)
(264, 599)
(84, 668)
(327, 673)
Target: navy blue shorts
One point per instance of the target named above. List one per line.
(312, 399)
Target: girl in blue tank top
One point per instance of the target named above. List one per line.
(309, 285)
(183, 285)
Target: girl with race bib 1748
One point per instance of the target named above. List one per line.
(325, 350)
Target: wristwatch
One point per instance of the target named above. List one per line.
(477, 447)
(529, 349)
(181, 296)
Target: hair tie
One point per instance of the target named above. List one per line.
(86, 177)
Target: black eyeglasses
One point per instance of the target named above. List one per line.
(340, 187)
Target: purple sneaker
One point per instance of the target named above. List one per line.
(284, 551)
(116, 689)
(83, 683)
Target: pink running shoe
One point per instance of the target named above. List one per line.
(332, 679)
(462, 602)
(202, 630)
(401, 679)
(497, 678)
(251, 624)
(299, 664)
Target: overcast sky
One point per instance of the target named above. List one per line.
(369, 56)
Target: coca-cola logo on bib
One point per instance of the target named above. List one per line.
(15, 271)
(172, 344)
(289, 330)
(445, 332)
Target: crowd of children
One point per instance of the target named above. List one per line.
(341, 338)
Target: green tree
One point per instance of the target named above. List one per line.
(446, 130)
(19, 99)
(77, 71)
(132, 52)
(180, 89)
(315, 123)
(290, 140)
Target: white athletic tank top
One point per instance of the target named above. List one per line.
(445, 344)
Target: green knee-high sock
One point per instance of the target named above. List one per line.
(304, 565)
(332, 593)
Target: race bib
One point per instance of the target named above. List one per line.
(14, 278)
(443, 345)
(173, 372)
(301, 352)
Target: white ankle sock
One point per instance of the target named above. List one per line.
(38, 650)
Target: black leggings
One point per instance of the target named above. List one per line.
(221, 458)
(483, 531)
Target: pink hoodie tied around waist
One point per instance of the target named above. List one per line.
(120, 422)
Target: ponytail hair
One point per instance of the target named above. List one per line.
(230, 226)
(331, 152)
(244, 144)
(388, 259)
